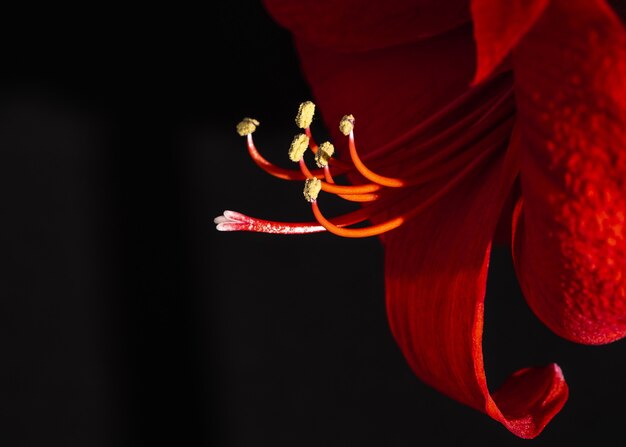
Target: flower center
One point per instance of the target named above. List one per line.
(437, 155)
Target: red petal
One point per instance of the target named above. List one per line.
(498, 27)
(354, 25)
(435, 290)
(570, 241)
(390, 90)
(436, 270)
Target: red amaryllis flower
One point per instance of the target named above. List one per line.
(475, 121)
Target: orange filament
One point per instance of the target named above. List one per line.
(276, 171)
(312, 143)
(350, 197)
(435, 152)
(374, 230)
(350, 189)
(327, 175)
(341, 165)
(397, 221)
(305, 170)
(368, 174)
(340, 189)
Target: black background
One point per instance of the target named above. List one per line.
(126, 319)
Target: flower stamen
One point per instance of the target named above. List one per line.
(312, 187)
(346, 126)
(298, 147)
(325, 152)
(339, 189)
(342, 165)
(247, 126)
(270, 168)
(350, 197)
(304, 117)
(395, 222)
(435, 154)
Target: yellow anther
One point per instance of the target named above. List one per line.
(298, 147)
(312, 187)
(325, 151)
(247, 126)
(346, 124)
(305, 114)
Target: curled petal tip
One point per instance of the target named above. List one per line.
(530, 398)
